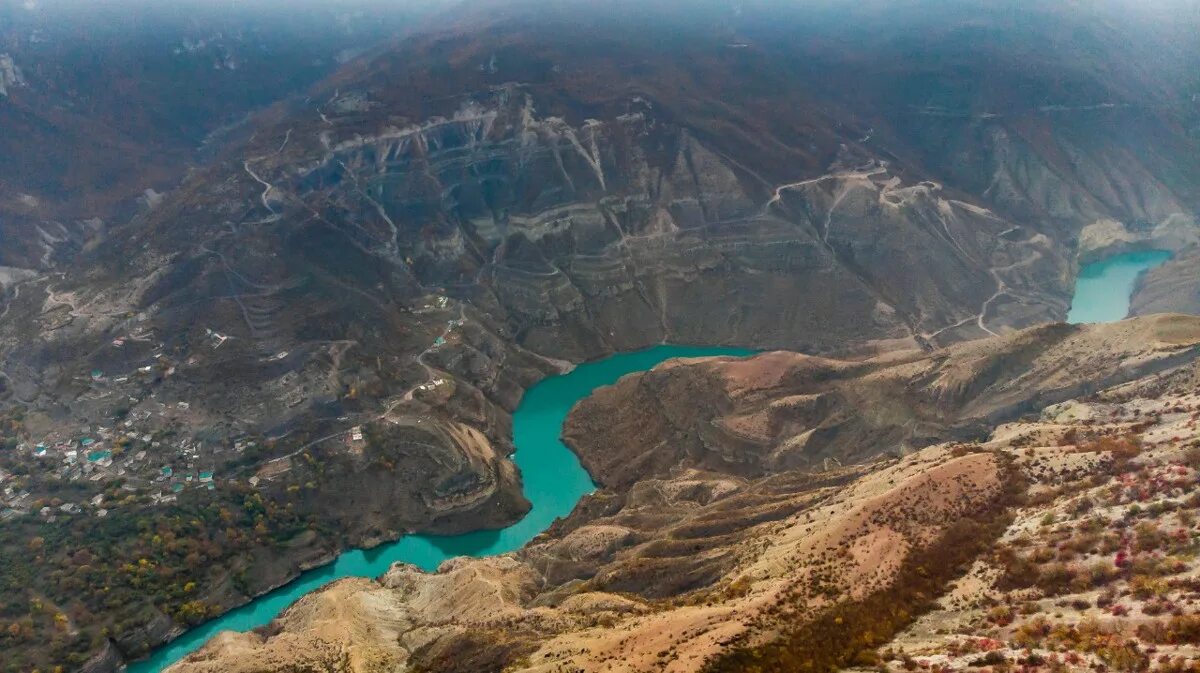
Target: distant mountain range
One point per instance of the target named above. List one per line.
(103, 101)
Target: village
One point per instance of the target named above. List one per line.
(140, 451)
(147, 454)
(139, 462)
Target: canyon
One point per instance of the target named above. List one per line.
(331, 319)
(714, 556)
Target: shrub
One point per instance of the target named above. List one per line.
(1178, 630)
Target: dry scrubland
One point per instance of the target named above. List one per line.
(1098, 568)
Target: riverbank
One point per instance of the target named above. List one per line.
(552, 477)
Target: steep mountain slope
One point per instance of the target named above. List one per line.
(585, 199)
(1173, 287)
(712, 568)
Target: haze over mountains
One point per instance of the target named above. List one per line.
(316, 255)
(123, 97)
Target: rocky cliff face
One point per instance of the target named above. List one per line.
(608, 235)
(706, 566)
(1174, 286)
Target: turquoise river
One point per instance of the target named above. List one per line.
(1104, 288)
(553, 478)
(553, 481)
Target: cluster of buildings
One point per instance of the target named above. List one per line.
(13, 501)
(141, 461)
(138, 451)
